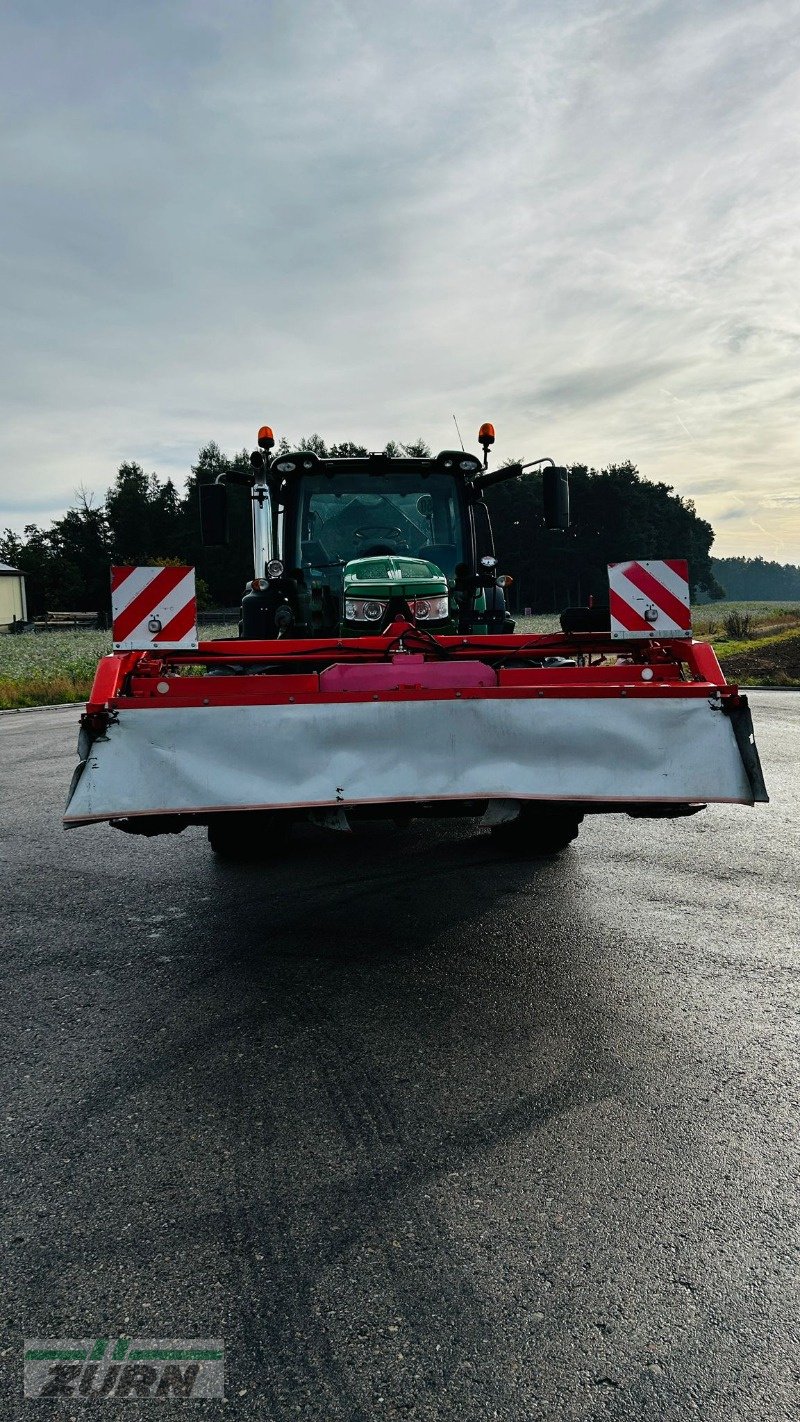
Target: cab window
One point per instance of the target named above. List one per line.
(363, 515)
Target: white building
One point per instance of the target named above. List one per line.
(13, 606)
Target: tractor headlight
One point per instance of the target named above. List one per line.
(274, 568)
(373, 611)
(359, 609)
(429, 609)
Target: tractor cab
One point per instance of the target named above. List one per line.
(370, 539)
(346, 545)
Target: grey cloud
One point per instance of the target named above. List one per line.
(721, 484)
(582, 388)
(780, 501)
(35, 506)
(734, 514)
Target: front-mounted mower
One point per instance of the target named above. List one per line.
(378, 673)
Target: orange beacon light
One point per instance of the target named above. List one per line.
(485, 439)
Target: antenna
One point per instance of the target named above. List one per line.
(458, 432)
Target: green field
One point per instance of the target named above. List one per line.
(46, 668)
(710, 618)
(41, 669)
(757, 643)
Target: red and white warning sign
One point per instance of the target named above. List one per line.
(153, 608)
(650, 599)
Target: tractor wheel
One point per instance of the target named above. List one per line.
(539, 831)
(251, 836)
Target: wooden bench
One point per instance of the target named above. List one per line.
(60, 620)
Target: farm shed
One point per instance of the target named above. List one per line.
(12, 597)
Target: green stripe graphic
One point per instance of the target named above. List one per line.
(120, 1351)
(55, 1355)
(175, 1355)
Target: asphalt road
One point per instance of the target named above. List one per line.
(419, 1131)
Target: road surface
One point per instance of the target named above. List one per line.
(419, 1131)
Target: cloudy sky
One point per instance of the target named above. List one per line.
(579, 220)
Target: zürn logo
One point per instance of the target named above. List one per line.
(124, 1367)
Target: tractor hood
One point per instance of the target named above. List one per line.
(388, 575)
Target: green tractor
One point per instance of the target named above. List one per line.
(344, 546)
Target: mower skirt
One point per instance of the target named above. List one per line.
(199, 760)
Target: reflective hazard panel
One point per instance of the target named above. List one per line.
(650, 599)
(153, 608)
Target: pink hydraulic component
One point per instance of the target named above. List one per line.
(406, 669)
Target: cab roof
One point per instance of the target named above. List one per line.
(449, 461)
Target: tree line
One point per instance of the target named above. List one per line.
(616, 514)
(756, 580)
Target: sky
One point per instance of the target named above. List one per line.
(577, 220)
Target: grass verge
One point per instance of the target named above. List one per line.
(42, 691)
(765, 661)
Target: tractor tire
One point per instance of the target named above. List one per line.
(540, 831)
(248, 837)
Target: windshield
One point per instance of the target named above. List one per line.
(363, 515)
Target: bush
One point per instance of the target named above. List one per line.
(737, 626)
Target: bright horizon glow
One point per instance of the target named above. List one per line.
(577, 221)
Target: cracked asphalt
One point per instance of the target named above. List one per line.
(418, 1130)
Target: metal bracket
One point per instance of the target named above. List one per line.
(500, 812)
(333, 819)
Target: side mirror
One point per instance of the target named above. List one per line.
(555, 497)
(213, 514)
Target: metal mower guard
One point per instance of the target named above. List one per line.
(411, 719)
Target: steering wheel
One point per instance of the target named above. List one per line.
(380, 531)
